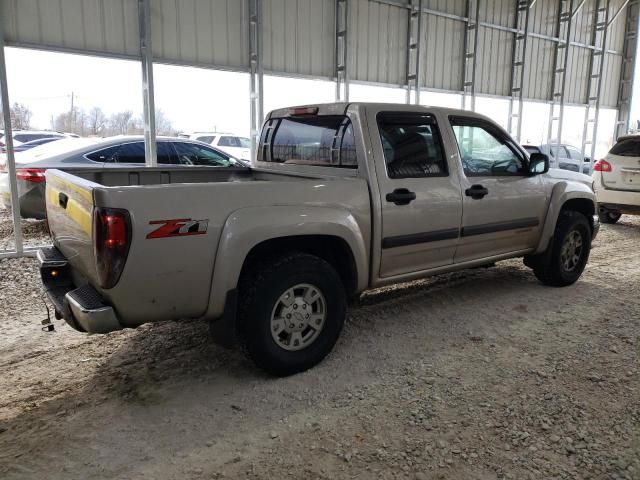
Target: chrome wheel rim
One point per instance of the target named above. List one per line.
(298, 317)
(571, 251)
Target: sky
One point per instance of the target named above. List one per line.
(197, 99)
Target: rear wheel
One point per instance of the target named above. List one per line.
(292, 309)
(609, 216)
(568, 252)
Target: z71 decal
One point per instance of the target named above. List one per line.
(178, 227)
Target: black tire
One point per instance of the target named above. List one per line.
(260, 290)
(549, 267)
(609, 216)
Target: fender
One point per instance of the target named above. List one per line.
(247, 227)
(562, 192)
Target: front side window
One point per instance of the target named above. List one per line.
(325, 140)
(194, 154)
(484, 151)
(412, 145)
(574, 153)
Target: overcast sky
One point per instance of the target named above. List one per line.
(196, 99)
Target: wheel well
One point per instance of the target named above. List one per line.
(582, 205)
(333, 250)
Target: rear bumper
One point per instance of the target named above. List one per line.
(620, 200)
(81, 307)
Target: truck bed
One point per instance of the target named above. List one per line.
(178, 270)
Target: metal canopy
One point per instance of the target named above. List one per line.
(506, 48)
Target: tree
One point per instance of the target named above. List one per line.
(121, 123)
(163, 124)
(96, 121)
(20, 117)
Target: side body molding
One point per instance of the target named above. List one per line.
(247, 227)
(561, 193)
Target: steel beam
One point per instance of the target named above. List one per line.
(256, 73)
(519, 58)
(414, 39)
(629, 61)
(8, 140)
(470, 55)
(149, 110)
(342, 50)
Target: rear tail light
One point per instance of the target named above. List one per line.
(603, 166)
(35, 175)
(303, 111)
(111, 240)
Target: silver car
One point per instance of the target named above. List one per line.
(90, 153)
(569, 157)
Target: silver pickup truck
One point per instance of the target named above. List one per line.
(342, 198)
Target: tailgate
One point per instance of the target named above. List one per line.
(625, 174)
(69, 201)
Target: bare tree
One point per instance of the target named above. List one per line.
(163, 124)
(96, 121)
(121, 123)
(20, 117)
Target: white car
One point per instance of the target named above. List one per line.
(24, 136)
(616, 180)
(234, 145)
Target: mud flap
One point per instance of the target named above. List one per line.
(223, 330)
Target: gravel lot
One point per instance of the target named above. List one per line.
(482, 374)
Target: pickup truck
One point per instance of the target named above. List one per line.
(341, 198)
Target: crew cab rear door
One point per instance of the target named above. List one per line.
(420, 197)
(503, 206)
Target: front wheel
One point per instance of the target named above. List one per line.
(292, 309)
(563, 264)
(609, 216)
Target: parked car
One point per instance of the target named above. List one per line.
(238, 147)
(31, 144)
(345, 197)
(616, 180)
(568, 156)
(24, 136)
(102, 154)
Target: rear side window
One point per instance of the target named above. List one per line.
(412, 145)
(325, 140)
(130, 153)
(228, 142)
(208, 139)
(628, 147)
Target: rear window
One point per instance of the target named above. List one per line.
(28, 137)
(628, 147)
(325, 140)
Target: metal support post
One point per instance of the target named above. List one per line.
(594, 82)
(414, 38)
(625, 89)
(517, 68)
(8, 140)
(342, 51)
(146, 57)
(470, 58)
(256, 74)
(556, 110)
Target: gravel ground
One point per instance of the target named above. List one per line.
(482, 374)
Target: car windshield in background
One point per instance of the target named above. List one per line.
(628, 147)
(324, 140)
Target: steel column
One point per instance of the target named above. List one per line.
(625, 89)
(149, 111)
(256, 73)
(414, 39)
(341, 50)
(594, 82)
(556, 111)
(517, 68)
(470, 57)
(8, 140)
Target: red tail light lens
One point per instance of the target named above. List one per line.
(111, 240)
(603, 166)
(35, 175)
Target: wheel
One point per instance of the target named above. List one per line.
(609, 216)
(568, 252)
(291, 311)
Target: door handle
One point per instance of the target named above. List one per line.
(63, 199)
(476, 192)
(401, 196)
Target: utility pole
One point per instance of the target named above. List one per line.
(71, 114)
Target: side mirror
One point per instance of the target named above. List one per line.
(538, 163)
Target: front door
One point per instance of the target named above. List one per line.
(420, 197)
(503, 206)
